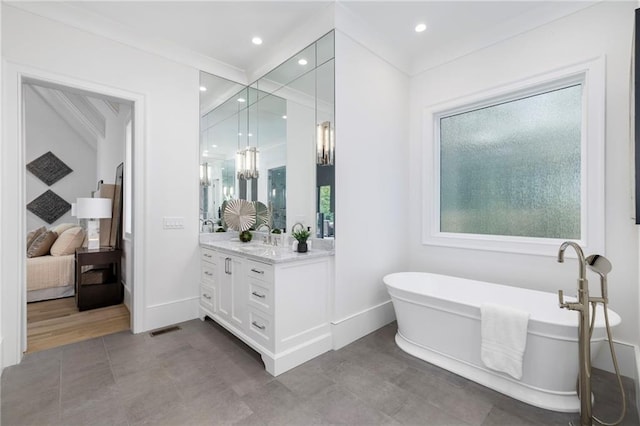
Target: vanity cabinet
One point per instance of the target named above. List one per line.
(232, 295)
(208, 282)
(279, 309)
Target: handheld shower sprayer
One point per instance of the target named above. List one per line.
(601, 266)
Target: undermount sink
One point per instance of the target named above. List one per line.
(258, 249)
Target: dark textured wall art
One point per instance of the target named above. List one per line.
(49, 206)
(49, 168)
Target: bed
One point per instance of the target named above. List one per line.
(50, 277)
(51, 261)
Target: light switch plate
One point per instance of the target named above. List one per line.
(173, 222)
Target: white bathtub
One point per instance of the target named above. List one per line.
(439, 322)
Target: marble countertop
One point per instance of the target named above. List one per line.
(261, 252)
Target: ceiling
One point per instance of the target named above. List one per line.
(222, 30)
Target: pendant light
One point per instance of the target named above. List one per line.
(325, 145)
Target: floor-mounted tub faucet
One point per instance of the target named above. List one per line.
(584, 340)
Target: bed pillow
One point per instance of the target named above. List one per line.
(42, 244)
(59, 229)
(68, 242)
(32, 235)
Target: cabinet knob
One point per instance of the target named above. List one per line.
(206, 296)
(208, 255)
(208, 273)
(257, 271)
(255, 324)
(261, 296)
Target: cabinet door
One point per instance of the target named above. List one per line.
(232, 297)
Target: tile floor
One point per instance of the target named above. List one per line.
(201, 375)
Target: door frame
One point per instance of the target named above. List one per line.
(12, 202)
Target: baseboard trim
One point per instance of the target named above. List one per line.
(165, 314)
(355, 326)
(127, 297)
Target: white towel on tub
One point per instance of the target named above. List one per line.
(504, 338)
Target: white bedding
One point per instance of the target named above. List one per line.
(50, 271)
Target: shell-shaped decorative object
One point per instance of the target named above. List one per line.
(262, 214)
(240, 215)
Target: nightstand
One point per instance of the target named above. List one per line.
(98, 278)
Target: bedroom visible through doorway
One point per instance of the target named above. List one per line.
(78, 282)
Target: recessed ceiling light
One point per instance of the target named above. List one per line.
(250, 134)
(257, 41)
(420, 28)
(302, 61)
(239, 134)
(214, 146)
(242, 100)
(203, 89)
(284, 117)
(205, 153)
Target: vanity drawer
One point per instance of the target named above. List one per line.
(208, 272)
(207, 255)
(260, 271)
(260, 296)
(261, 328)
(208, 298)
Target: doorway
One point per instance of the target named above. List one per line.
(77, 144)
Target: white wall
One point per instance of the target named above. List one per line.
(170, 186)
(372, 182)
(46, 130)
(603, 29)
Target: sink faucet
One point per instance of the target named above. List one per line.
(293, 228)
(206, 223)
(584, 339)
(267, 238)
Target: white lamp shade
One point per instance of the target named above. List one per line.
(93, 208)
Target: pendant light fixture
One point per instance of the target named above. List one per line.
(325, 145)
(247, 159)
(204, 174)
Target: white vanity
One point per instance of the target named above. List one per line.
(273, 299)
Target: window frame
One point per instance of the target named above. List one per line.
(591, 74)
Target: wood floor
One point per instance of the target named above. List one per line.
(58, 322)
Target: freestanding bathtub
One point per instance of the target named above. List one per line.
(439, 322)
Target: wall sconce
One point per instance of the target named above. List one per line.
(93, 209)
(204, 174)
(325, 144)
(247, 163)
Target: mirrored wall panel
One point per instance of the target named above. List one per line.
(272, 142)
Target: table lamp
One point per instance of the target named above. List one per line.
(93, 209)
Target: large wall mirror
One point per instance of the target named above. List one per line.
(272, 142)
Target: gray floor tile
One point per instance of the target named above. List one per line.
(497, 417)
(201, 375)
(337, 405)
(99, 408)
(305, 380)
(370, 388)
(218, 408)
(86, 382)
(272, 400)
(419, 412)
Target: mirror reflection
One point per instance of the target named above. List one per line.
(272, 142)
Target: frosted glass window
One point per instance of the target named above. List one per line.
(513, 169)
